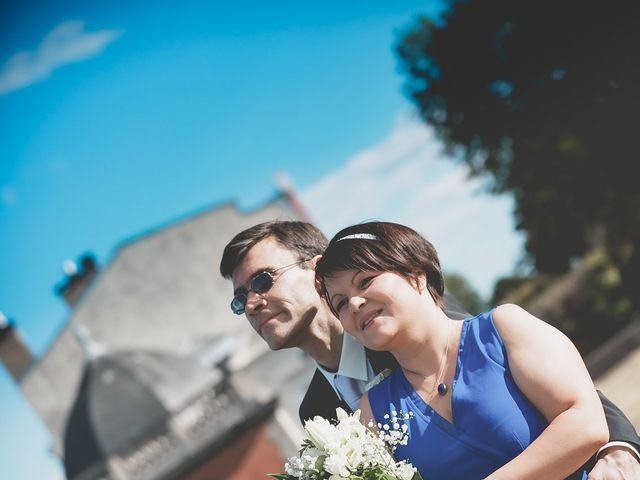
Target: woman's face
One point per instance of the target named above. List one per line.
(373, 306)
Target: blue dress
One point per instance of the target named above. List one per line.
(493, 421)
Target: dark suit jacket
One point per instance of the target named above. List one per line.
(321, 399)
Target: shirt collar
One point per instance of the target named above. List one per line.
(353, 361)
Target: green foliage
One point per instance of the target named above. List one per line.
(521, 290)
(464, 293)
(306, 443)
(594, 309)
(602, 308)
(541, 98)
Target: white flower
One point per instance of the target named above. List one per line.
(336, 464)
(341, 414)
(350, 426)
(294, 467)
(354, 450)
(310, 457)
(320, 431)
(404, 470)
(342, 448)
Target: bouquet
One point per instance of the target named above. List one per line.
(350, 450)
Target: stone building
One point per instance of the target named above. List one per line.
(152, 376)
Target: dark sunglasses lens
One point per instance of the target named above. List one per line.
(262, 283)
(238, 303)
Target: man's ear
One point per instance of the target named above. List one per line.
(314, 261)
(421, 282)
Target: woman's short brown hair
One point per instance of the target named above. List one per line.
(381, 247)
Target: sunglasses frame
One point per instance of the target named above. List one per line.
(244, 296)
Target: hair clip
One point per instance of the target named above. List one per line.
(359, 236)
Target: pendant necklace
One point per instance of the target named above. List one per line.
(441, 386)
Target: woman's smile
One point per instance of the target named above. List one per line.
(369, 318)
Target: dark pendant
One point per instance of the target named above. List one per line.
(442, 389)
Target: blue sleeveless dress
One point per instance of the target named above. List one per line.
(493, 421)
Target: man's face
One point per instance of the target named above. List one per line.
(282, 315)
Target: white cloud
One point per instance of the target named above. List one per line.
(406, 178)
(66, 43)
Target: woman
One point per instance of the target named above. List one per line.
(499, 396)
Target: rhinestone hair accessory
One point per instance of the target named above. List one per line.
(359, 236)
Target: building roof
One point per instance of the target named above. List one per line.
(127, 398)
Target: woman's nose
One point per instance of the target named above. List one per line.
(355, 303)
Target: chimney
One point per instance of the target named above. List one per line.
(285, 187)
(14, 352)
(77, 280)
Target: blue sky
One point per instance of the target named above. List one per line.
(117, 118)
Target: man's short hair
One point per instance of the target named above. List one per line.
(302, 238)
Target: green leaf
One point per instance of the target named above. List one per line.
(281, 476)
(307, 443)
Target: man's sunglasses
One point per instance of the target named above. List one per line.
(261, 283)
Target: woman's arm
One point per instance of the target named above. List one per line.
(550, 372)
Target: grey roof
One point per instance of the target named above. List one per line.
(126, 398)
(114, 411)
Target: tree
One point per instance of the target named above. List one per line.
(464, 293)
(541, 98)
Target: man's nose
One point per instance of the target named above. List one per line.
(255, 302)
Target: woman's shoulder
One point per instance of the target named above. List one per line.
(495, 324)
(508, 309)
(515, 323)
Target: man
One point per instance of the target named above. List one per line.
(271, 266)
